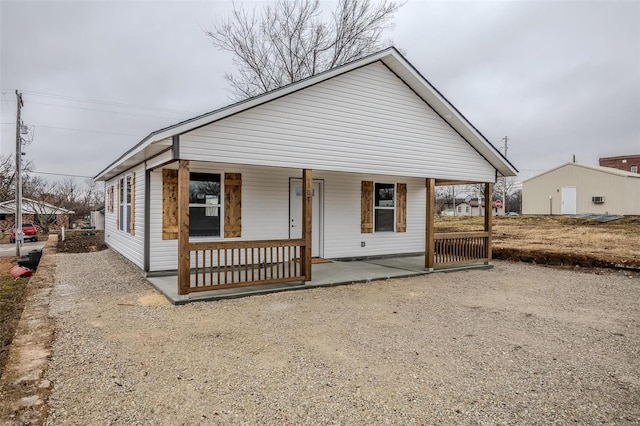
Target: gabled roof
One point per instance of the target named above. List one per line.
(161, 140)
(30, 206)
(600, 169)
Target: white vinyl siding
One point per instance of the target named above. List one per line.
(365, 121)
(131, 247)
(265, 213)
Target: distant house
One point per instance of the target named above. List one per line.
(34, 212)
(475, 208)
(628, 163)
(578, 188)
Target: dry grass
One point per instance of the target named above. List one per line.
(565, 239)
(11, 303)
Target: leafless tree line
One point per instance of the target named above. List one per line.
(67, 193)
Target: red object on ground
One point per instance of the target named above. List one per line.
(20, 271)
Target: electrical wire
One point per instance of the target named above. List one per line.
(79, 130)
(98, 110)
(60, 174)
(103, 102)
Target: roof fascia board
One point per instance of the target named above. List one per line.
(600, 169)
(139, 147)
(28, 202)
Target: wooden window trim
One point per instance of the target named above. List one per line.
(366, 207)
(169, 204)
(401, 207)
(232, 191)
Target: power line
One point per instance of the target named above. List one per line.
(61, 174)
(81, 130)
(98, 110)
(103, 102)
(88, 131)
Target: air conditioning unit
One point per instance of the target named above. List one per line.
(598, 200)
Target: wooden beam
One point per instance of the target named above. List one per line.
(488, 215)
(429, 254)
(307, 207)
(184, 256)
(449, 182)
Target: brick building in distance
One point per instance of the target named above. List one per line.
(628, 163)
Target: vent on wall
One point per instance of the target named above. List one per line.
(598, 200)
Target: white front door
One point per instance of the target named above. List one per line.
(295, 214)
(568, 200)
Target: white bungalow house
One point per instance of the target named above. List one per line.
(342, 164)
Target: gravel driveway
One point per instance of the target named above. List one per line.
(519, 344)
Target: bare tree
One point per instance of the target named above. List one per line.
(8, 175)
(290, 41)
(44, 215)
(445, 198)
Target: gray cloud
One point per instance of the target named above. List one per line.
(559, 78)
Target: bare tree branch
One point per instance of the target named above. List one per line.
(289, 41)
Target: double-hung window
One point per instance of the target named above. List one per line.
(205, 197)
(384, 207)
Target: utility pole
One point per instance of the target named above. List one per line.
(18, 221)
(504, 178)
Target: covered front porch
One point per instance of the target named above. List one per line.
(239, 266)
(335, 272)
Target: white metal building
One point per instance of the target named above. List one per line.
(372, 131)
(578, 188)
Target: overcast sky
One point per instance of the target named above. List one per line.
(557, 78)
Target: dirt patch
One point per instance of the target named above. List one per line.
(153, 299)
(82, 241)
(557, 240)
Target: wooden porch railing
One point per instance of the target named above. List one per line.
(458, 248)
(229, 264)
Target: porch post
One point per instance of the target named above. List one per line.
(488, 216)
(184, 257)
(307, 190)
(429, 249)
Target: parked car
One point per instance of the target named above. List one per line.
(28, 230)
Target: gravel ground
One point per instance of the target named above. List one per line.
(519, 344)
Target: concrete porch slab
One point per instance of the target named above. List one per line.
(324, 274)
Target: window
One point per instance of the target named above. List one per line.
(634, 169)
(384, 207)
(467, 209)
(124, 223)
(204, 205)
(459, 209)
